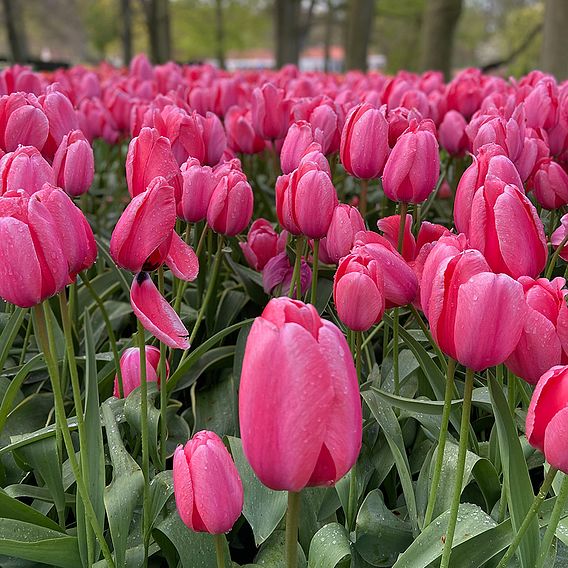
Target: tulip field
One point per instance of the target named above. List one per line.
(282, 319)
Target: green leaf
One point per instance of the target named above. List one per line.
(263, 508)
(125, 489)
(215, 408)
(161, 489)
(330, 548)
(9, 333)
(250, 279)
(11, 508)
(230, 305)
(38, 544)
(421, 405)
(272, 552)
(380, 535)
(520, 492)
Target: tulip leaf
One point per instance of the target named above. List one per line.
(11, 508)
(263, 508)
(230, 305)
(161, 489)
(330, 548)
(250, 279)
(9, 333)
(272, 553)
(516, 475)
(422, 405)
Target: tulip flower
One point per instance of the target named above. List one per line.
(214, 138)
(198, 185)
(74, 164)
(270, 112)
(550, 183)
(262, 244)
(559, 236)
(130, 369)
(24, 169)
(22, 122)
(207, 487)
(547, 417)
(465, 92)
(453, 137)
(231, 204)
(359, 291)
(346, 222)
(364, 142)
(299, 137)
(298, 376)
(277, 275)
(62, 119)
(544, 340)
(33, 266)
(241, 136)
(502, 218)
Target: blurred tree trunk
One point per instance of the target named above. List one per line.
(158, 23)
(286, 13)
(554, 55)
(359, 27)
(329, 22)
(126, 12)
(438, 29)
(220, 33)
(15, 31)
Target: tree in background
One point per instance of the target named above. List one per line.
(157, 14)
(360, 16)
(126, 13)
(554, 55)
(13, 19)
(438, 30)
(286, 23)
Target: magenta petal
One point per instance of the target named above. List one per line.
(156, 314)
(555, 441)
(183, 487)
(182, 260)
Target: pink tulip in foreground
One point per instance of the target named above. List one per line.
(207, 487)
(299, 407)
(547, 418)
(130, 368)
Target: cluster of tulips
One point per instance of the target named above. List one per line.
(337, 151)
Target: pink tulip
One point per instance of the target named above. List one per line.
(541, 105)
(359, 291)
(130, 369)
(364, 142)
(270, 111)
(142, 236)
(559, 235)
(262, 244)
(207, 487)
(401, 285)
(231, 204)
(62, 120)
(506, 228)
(543, 342)
(149, 156)
(241, 136)
(33, 266)
(74, 164)
(476, 317)
(277, 276)
(547, 417)
(214, 138)
(181, 259)
(155, 313)
(465, 92)
(346, 222)
(198, 185)
(399, 118)
(453, 137)
(22, 122)
(550, 183)
(24, 169)
(298, 376)
(299, 137)
(413, 167)
(490, 160)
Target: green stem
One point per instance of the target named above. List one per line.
(402, 227)
(511, 391)
(441, 441)
(314, 292)
(220, 549)
(460, 469)
(554, 257)
(26, 341)
(43, 340)
(110, 332)
(428, 335)
(396, 323)
(292, 523)
(358, 339)
(535, 507)
(353, 499)
(363, 197)
(163, 391)
(144, 436)
(296, 283)
(557, 512)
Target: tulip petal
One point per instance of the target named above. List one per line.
(183, 487)
(182, 260)
(156, 314)
(555, 441)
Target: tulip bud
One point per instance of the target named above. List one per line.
(24, 169)
(359, 291)
(282, 396)
(364, 142)
(346, 222)
(547, 417)
(130, 369)
(550, 183)
(413, 167)
(214, 138)
(465, 92)
(62, 120)
(74, 164)
(270, 111)
(241, 136)
(299, 137)
(207, 487)
(23, 122)
(198, 185)
(277, 275)
(453, 137)
(263, 243)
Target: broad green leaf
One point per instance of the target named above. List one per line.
(263, 508)
(11, 508)
(273, 553)
(420, 405)
(38, 544)
(161, 489)
(215, 408)
(520, 492)
(230, 305)
(250, 279)
(330, 548)
(9, 333)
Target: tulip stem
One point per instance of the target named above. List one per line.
(292, 523)
(460, 469)
(314, 292)
(358, 339)
(43, 340)
(428, 335)
(353, 499)
(110, 332)
(296, 282)
(220, 549)
(402, 228)
(144, 435)
(395, 368)
(554, 257)
(557, 512)
(450, 371)
(535, 507)
(363, 197)
(162, 379)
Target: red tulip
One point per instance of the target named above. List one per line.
(262, 244)
(207, 487)
(24, 169)
(74, 164)
(130, 369)
(297, 377)
(359, 291)
(547, 417)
